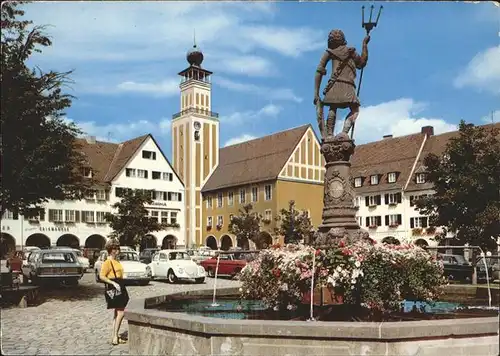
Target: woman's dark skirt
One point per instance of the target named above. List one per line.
(116, 300)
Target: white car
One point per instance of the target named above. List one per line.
(175, 265)
(133, 269)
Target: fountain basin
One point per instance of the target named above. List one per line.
(156, 332)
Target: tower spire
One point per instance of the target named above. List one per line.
(194, 38)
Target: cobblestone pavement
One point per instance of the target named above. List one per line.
(74, 320)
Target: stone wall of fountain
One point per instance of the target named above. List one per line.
(154, 332)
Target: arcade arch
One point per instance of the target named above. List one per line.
(68, 240)
(226, 242)
(95, 242)
(148, 241)
(211, 242)
(7, 244)
(169, 242)
(38, 240)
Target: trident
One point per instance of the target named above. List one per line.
(368, 26)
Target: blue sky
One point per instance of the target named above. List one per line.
(429, 64)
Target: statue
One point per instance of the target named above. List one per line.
(340, 91)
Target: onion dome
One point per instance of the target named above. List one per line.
(194, 57)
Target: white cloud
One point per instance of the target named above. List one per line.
(493, 117)
(247, 65)
(239, 118)
(164, 88)
(398, 118)
(482, 72)
(239, 139)
(284, 94)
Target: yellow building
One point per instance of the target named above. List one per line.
(267, 172)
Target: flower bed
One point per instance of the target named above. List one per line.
(375, 276)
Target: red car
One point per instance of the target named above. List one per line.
(230, 264)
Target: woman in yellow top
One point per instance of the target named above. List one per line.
(112, 275)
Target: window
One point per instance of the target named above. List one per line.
(419, 222)
(391, 177)
(209, 221)
(141, 173)
(230, 198)
(101, 194)
(255, 194)
(173, 196)
(374, 179)
(392, 198)
(360, 220)
(173, 217)
(373, 221)
(156, 175)
(243, 194)
(55, 215)
(88, 216)
(358, 182)
(220, 220)
(8, 215)
(90, 195)
(209, 202)
(130, 172)
(420, 178)
(393, 220)
(415, 198)
(219, 200)
(268, 192)
(168, 176)
(373, 200)
(154, 215)
(69, 216)
(148, 154)
(164, 217)
(268, 215)
(357, 201)
(100, 217)
(87, 172)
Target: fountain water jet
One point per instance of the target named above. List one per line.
(311, 311)
(214, 303)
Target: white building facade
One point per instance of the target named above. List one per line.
(134, 164)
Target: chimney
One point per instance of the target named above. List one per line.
(90, 140)
(428, 130)
(387, 136)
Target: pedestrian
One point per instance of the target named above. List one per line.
(115, 293)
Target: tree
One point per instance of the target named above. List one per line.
(294, 224)
(466, 179)
(131, 221)
(40, 157)
(246, 226)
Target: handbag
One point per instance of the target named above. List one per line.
(116, 298)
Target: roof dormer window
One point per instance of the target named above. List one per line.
(420, 178)
(149, 155)
(358, 182)
(391, 177)
(374, 179)
(87, 172)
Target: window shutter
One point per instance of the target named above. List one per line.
(83, 217)
(77, 216)
(15, 216)
(367, 201)
(379, 220)
(412, 223)
(400, 222)
(386, 198)
(398, 198)
(424, 222)
(379, 199)
(180, 196)
(387, 220)
(412, 200)
(146, 174)
(367, 220)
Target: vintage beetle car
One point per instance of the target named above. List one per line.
(134, 271)
(52, 265)
(176, 265)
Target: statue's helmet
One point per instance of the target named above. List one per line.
(336, 38)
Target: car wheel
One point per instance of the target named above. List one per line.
(171, 277)
(200, 280)
(143, 283)
(211, 273)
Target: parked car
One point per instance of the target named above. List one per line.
(493, 263)
(146, 255)
(229, 264)
(456, 268)
(52, 265)
(84, 261)
(175, 265)
(201, 254)
(134, 271)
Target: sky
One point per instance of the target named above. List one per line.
(431, 63)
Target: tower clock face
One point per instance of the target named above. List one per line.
(197, 125)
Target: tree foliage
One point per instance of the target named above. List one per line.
(246, 226)
(295, 225)
(466, 180)
(40, 158)
(131, 222)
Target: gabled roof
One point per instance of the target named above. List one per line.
(382, 157)
(254, 161)
(108, 159)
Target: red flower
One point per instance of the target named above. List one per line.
(341, 243)
(318, 252)
(276, 272)
(346, 252)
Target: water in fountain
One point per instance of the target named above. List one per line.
(311, 310)
(214, 303)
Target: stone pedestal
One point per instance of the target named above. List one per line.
(339, 212)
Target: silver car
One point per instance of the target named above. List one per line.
(52, 265)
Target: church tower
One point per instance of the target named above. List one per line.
(195, 140)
